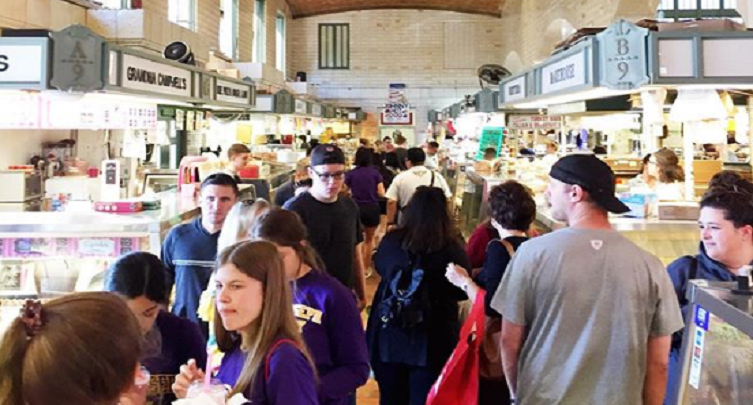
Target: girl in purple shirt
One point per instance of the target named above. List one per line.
(325, 309)
(257, 330)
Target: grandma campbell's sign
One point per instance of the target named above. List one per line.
(146, 75)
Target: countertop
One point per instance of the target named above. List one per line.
(624, 224)
(174, 210)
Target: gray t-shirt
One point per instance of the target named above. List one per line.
(589, 299)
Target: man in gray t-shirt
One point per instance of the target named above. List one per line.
(588, 315)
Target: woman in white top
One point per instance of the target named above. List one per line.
(664, 168)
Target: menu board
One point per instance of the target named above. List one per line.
(34, 111)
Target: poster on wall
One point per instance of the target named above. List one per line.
(397, 93)
(397, 114)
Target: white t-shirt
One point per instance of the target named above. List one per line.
(406, 183)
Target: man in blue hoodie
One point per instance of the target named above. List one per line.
(190, 249)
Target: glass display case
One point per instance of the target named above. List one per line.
(717, 348)
(44, 255)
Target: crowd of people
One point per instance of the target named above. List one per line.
(578, 316)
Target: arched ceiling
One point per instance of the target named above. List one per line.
(308, 8)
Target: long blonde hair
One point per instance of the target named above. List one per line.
(260, 261)
(239, 221)
(84, 353)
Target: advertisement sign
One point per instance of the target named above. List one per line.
(514, 90)
(230, 92)
(564, 74)
(146, 75)
(22, 62)
(397, 114)
(531, 122)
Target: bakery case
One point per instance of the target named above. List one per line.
(44, 255)
(717, 348)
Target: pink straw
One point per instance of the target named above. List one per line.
(208, 372)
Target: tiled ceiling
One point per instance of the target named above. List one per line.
(308, 8)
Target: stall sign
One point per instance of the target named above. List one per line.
(491, 137)
(145, 75)
(316, 110)
(301, 107)
(77, 60)
(514, 90)
(567, 73)
(230, 92)
(531, 122)
(397, 114)
(22, 62)
(623, 53)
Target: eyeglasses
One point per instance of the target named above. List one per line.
(329, 176)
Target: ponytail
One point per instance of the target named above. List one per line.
(12, 355)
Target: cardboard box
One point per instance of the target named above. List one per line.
(714, 25)
(681, 211)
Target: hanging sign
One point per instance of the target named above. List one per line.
(77, 60)
(230, 92)
(146, 75)
(397, 114)
(514, 90)
(564, 74)
(623, 56)
(301, 107)
(529, 122)
(23, 63)
(491, 137)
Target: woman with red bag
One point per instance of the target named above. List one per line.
(513, 210)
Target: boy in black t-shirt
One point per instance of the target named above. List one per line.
(332, 220)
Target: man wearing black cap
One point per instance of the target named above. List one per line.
(587, 315)
(333, 221)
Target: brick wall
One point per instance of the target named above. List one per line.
(51, 14)
(435, 53)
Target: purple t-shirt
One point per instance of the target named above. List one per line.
(333, 332)
(181, 340)
(290, 381)
(363, 182)
(334, 335)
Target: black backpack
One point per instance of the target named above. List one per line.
(405, 299)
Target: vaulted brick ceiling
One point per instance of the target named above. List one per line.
(308, 8)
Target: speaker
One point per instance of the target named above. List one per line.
(179, 52)
(300, 76)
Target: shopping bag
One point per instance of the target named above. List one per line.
(458, 382)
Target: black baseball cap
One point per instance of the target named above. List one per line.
(327, 155)
(594, 176)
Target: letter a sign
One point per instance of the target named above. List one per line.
(623, 56)
(77, 61)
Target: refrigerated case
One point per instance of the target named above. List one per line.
(717, 348)
(44, 255)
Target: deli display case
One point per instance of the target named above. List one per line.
(44, 255)
(717, 348)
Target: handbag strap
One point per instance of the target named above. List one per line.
(508, 246)
(432, 178)
(272, 351)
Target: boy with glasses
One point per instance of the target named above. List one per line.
(332, 220)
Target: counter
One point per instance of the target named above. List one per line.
(45, 255)
(666, 239)
(155, 224)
